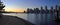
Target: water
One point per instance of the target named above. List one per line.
(37, 19)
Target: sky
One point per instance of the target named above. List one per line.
(21, 5)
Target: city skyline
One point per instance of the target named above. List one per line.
(21, 5)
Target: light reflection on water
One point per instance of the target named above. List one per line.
(34, 18)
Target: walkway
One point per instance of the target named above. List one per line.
(13, 20)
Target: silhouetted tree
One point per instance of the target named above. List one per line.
(24, 11)
(1, 7)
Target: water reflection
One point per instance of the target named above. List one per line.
(31, 18)
(38, 19)
(41, 19)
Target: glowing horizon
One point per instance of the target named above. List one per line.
(14, 10)
(21, 5)
(11, 9)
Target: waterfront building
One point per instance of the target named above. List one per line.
(30, 10)
(27, 10)
(56, 7)
(57, 12)
(42, 10)
(51, 10)
(36, 10)
(46, 10)
(59, 8)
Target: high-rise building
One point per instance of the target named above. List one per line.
(46, 10)
(57, 12)
(51, 10)
(41, 11)
(59, 8)
(36, 10)
(56, 7)
(27, 10)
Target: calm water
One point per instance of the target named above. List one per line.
(34, 18)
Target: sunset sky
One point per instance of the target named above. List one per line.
(21, 5)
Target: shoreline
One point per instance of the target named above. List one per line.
(12, 18)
